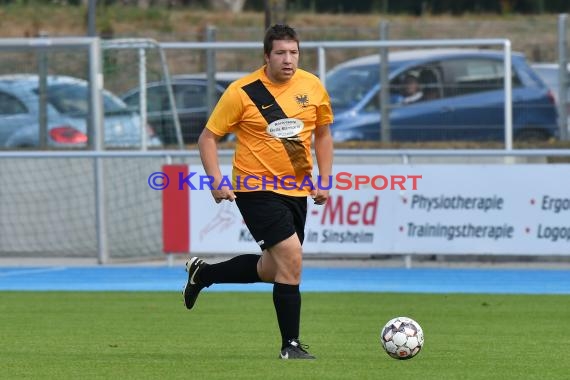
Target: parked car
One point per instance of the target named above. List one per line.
(190, 96)
(462, 97)
(66, 109)
(549, 74)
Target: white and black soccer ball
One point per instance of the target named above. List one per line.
(402, 338)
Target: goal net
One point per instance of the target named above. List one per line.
(49, 198)
(48, 208)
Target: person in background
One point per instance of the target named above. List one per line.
(412, 91)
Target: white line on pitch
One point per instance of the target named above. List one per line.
(31, 271)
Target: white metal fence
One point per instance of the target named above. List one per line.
(55, 204)
(323, 46)
(134, 70)
(98, 204)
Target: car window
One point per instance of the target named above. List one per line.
(132, 100)
(528, 77)
(10, 105)
(185, 96)
(156, 99)
(550, 77)
(415, 85)
(347, 86)
(469, 76)
(191, 96)
(72, 99)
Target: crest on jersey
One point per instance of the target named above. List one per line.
(302, 99)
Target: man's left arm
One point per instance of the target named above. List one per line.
(324, 153)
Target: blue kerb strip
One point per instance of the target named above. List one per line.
(420, 280)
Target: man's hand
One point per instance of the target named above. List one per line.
(320, 196)
(223, 193)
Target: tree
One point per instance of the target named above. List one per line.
(275, 12)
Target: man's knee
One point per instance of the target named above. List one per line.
(295, 273)
(266, 268)
(292, 265)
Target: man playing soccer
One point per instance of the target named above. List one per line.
(274, 113)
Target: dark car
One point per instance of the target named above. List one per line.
(461, 97)
(190, 95)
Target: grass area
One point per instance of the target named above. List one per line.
(68, 335)
(533, 34)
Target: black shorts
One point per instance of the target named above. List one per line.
(272, 217)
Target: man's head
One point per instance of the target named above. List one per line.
(411, 85)
(281, 53)
(278, 32)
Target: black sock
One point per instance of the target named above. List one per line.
(238, 270)
(287, 301)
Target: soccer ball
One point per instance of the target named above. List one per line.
(402, 338)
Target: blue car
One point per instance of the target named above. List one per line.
(440, 95)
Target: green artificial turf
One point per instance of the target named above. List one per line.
(136, 335)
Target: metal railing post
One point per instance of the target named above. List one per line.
(211, 70)
(508, 83)
(142, 98)
(385, 130)
(96, 88)
(562, 76)
(322, 62)
(43, 88)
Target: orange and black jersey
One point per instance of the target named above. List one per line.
(273, 124)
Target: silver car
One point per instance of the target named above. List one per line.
(66, 113)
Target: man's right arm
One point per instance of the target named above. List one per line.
(208, 146)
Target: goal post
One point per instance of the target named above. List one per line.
(139, 49)
(80, 203)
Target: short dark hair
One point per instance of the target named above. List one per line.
(278, 32)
